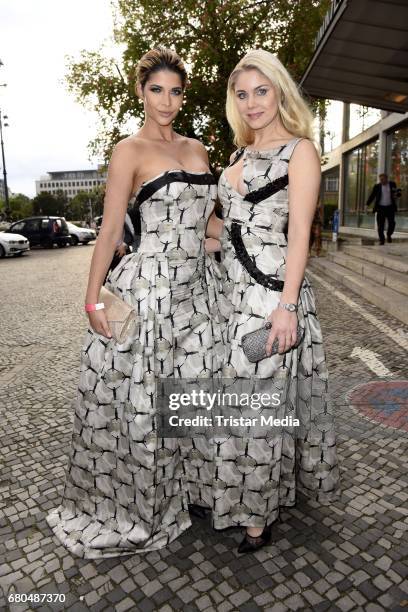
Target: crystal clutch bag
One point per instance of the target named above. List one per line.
(120, 316)
(254, 343)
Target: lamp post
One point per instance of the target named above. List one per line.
(6, 195)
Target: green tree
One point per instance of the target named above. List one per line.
(62, 203)
(45, 204)
(80, 205)
(20, 205)
(211, 36)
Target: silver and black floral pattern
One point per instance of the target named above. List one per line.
(257, 475)
(127, 490)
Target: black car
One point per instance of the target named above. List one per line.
(43, 230)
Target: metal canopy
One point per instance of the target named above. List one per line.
(361, 55)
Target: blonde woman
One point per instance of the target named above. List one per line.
(269, 195)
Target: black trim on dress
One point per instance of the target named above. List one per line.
(239, 154)
(173, 176)
(267, 280)
(268, 190)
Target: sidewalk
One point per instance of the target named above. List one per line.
(348, 556)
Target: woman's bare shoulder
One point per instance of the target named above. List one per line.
(305, 148)
(195, 146)
(128, 152)
(131, 145)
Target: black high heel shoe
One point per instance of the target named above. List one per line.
(198, 511)
(252, 543)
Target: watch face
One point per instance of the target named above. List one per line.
(291, 307)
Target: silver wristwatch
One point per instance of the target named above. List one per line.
(290, 307)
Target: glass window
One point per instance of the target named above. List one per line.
(329, 195)
(397, 170)
(361, 118)
(17, 227)
(33, 225)
(332, 125)
(361, 167)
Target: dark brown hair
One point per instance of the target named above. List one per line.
(160, 58)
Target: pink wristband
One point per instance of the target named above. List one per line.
(92, 307)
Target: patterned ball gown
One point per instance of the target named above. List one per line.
(256, 475)
(127, 490)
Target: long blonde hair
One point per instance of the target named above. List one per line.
(294, 113)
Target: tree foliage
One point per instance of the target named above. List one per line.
(20, 206)
(81, 203)
(211, 36)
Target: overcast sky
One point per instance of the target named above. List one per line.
(48, 130)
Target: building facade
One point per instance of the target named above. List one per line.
(359, 67)
(71, 182)
(360, 143)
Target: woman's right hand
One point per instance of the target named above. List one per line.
(99, 322)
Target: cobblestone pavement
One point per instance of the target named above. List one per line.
(348, 556)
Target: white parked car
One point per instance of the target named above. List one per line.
(13, 244)
(80, 234)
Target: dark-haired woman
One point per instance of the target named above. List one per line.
(128, 490)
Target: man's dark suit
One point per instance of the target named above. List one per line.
(384, 212)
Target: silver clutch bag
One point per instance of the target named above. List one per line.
(120, 316)
(254, 343)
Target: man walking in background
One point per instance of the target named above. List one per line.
(385, 194)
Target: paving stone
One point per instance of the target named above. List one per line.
(226, 606)
(240, 597)
(296, 602)
(203, 585)
(125, 604)
(203, 602)
(302, 579)
(278, 607)
(225, 588)
(151, 587)
(358, 577)
(369, 590)
(382, 583)
(281, 591)
(312, 597)
(345, 603)
(187, 594)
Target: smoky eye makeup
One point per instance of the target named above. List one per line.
(176, 91)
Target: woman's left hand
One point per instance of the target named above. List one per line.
(212, 245)
(121, 250)
(284, 327)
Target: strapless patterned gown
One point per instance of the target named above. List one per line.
(255, 476)
(127, 490)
